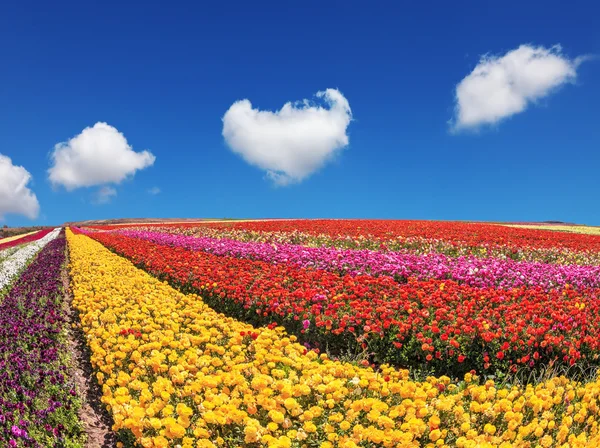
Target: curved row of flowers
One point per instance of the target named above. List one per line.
(474, 234)
(14, 264)
(428, 325)
(464, 233)
(418, 245)
(472, 271)
(176, 373)
(25, 239)
(38, 405)
(6, 253)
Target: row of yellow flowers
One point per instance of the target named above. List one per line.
(177, 374)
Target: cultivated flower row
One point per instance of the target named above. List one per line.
(427, 325)
(6, 253)
(463, 233)
(15, 237)
(24, 239)
(472, 271)
(408, 245)
(14, 264)
(38, 405)
(176, 373)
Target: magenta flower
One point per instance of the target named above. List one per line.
(469, 270)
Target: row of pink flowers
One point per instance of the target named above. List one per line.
(470, 270)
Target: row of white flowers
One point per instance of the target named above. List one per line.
(5, 253)
(14, 263)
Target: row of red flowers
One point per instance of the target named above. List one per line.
(26, 239)
(450, 238)
(472, 234)
(438, 326)
(410, 245)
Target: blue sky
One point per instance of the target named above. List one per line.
(164, 75)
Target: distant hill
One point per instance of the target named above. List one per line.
(545, 223)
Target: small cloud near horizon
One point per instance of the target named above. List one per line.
(104, 195)
(154, 191)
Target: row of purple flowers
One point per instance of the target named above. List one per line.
(38, 403)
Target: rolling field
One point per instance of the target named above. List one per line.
(299, 333)
(167, 278)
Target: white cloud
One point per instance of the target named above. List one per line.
(154, 191)
(104, 195)
(501, 86)
(15, 196)
(99, 155)
(292, 143)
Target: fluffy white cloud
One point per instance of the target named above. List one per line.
(154, 191)
(99, 155)
(104, 195)
(501, 86)
(15, 196)
(292, 143)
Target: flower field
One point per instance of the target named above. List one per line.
(15, 260)
(307, 334)
(437, 326)
(470, 270)
(38, 405)
(175, 372)
(16, 237)
(22, 239)
(450, 238)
